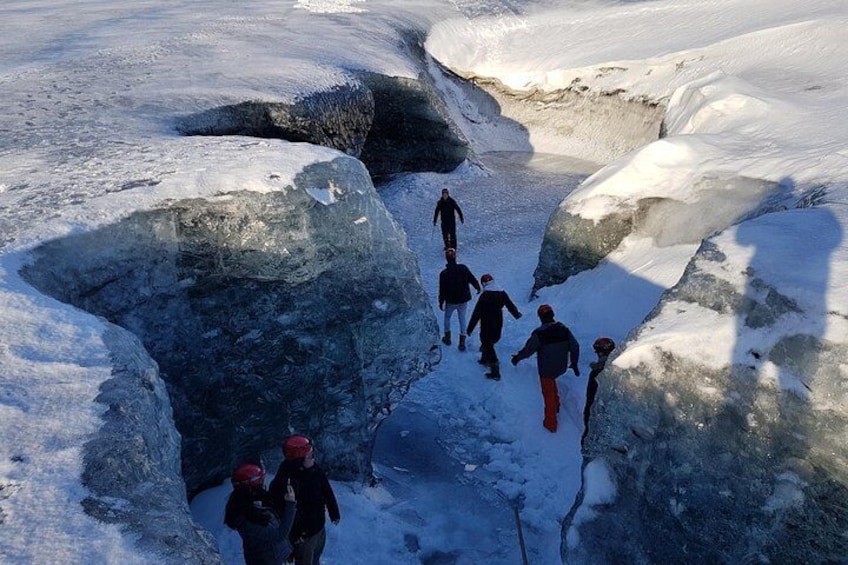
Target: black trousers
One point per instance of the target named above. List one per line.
(449, 236)
(488, 356)
(591, 391)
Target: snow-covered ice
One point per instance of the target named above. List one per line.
(754, 89)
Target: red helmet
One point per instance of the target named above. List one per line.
(487, 278)
(604, 345)
(248, 475)
(545, 311)
(297, 447)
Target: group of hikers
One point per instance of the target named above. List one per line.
(554, 345)
(286, 521)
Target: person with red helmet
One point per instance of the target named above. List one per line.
(489, 312)
(556, 350)
(454, 294)
(603, 347)
(315, 499)
(264, 531)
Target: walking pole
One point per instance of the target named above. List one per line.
(520, 536)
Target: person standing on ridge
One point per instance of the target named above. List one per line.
(454, 294)
(603, 347)
(447, 207)
(315, 497)
(556, 350)
(489, 312)
(264, 532)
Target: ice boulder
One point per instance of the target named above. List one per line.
(614, 203)
(721, 423)
(131, 468)
(292, 309)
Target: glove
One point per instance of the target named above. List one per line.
(519, 316)
(576, 371)
(515, 360)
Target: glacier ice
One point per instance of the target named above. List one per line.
(392, 124)
(573, 243)
(746, 457)
(267, 314)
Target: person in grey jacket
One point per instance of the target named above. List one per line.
(264, 533)
(556, 351)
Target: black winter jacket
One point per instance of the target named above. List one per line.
(489, 312)
(313, 493)
(447, 207)
(453, 283)
(555, 348)
(264, 533)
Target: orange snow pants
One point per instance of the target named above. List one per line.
(550, 393)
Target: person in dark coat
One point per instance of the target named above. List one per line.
(603, 347)
(556, 350)
(454, 294)
(489, 312)
(264, 531)
(446, 207)
(315, 499)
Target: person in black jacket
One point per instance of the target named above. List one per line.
(556, 350)
(447, 207)
(264, 533)
(454, 294)
(489, 312)
(315, 497)
(603, 347)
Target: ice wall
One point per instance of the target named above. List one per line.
(268, 313)
(578, 237)
(721, 423)
(596, 127)
(392, 124)
(131, 468)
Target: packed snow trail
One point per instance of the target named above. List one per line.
(476, 444)
(461, 451)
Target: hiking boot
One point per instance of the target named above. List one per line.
(446, 340)
(494, 372)
(462, 343)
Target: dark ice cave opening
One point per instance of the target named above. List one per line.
(392, 124)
